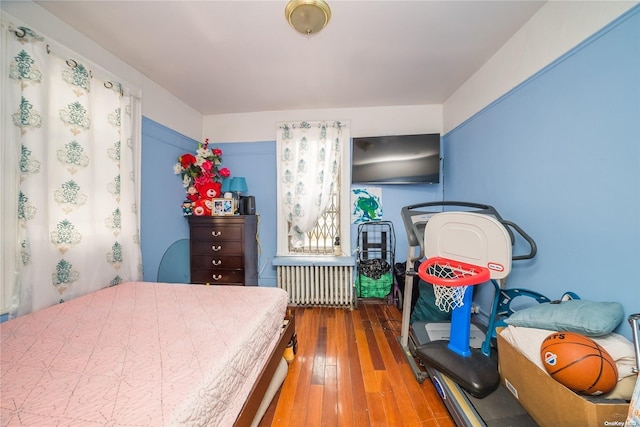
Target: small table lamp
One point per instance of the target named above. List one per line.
(226, 183)
(238, 185)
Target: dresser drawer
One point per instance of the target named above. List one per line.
(224, 249)
(218, 277)
(217, 232)
(217, 261)
(209, 247)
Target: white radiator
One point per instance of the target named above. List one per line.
(317, 285)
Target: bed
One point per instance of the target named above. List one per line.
(147, 354)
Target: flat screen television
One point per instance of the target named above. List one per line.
(397, 159)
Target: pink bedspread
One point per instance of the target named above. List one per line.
(139, 354)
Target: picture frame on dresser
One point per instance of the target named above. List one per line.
(222, 207)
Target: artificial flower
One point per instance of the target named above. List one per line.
(186, 160)
(202, 175)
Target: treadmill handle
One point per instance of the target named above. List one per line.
(449, 203)
(414, 234)
(533, 248)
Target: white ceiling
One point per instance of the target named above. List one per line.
(242, 56)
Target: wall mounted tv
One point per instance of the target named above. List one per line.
(397, 159)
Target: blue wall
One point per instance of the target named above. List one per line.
(256, 162)
(162, 195)
(560, 156)
(162, 220)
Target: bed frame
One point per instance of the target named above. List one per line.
(251, 406)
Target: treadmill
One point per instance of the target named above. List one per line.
(498, 408)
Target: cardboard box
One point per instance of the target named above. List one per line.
(547, 401)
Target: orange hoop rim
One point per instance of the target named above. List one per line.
(472, 274)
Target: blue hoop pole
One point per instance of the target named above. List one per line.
(461, 326)
(460, 331)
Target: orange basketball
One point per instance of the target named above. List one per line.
(579, 363)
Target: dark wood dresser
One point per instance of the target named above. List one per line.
(224, 249)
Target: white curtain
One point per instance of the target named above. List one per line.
(74, 134)
(309, 164)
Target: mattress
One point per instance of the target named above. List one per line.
(139, 354)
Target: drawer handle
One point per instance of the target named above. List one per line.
(216, 277)
(216, 248)
(215, 233)
(216, 262)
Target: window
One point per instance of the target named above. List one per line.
(299, 145)
(324, 238)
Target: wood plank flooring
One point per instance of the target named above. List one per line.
(350, 371)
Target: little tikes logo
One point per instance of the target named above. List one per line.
(495, 266)
(550, 358)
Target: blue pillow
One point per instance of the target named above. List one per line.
(589, 318)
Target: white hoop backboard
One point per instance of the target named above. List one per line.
(471, 238)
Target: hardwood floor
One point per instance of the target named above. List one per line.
(350, 371)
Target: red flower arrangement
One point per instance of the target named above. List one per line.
(202, 177)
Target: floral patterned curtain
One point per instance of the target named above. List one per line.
(76, 133)
(309, 164)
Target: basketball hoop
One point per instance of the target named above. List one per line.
(450, 280)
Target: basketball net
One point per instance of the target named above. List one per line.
(446, 297)
(450, 280)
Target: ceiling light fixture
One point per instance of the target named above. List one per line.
(307, 16)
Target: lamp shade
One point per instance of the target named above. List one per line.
(238, 184)
(226, 183)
